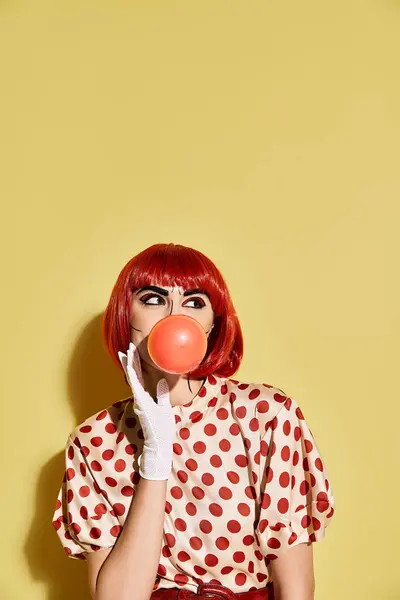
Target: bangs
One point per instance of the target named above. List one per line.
(172, 265)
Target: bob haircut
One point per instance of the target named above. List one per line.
(168, 265)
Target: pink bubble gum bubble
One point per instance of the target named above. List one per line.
(177, 344)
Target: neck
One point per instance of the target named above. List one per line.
(181, 389)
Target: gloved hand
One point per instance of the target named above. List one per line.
(156, 419)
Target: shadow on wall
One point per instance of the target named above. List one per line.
(93, 383)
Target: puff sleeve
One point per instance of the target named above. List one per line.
(82, 519)
(296, 500)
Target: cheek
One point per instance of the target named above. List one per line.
(144, 321)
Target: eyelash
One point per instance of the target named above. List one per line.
(148, 296)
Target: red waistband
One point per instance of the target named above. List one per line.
(215, 591)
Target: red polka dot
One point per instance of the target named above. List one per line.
(70, 474)
(207, 479)
(224, 445)
(210, 429)
(241, 412)
(191, 464)
(198, 492)
(199, 570)
(110, 481)
(181, 579)
(292, 538)
(108, 454)
(238, 557)
(199, 447)
(284, 479)
(283, 505)
(240, 578)
(205, 526)
(211, 560)
(234, 429)
(254, 424)
(84, 491)
(250, 492)
(269, 473)
(110, 428)
(266, 501)
(241, 460)
(86, 429)
(225, 493)
(191, 509)
(285, 453)
(71, 452)
(183, 556)
(316, 523)
(176, 492)
(215, 461)
(127, 491)
(233, 526)
(233, 477)
(120, 465)
(222, 543)
(222, 414)
(96, 441)
(243, 509)
(254, 394)
(306, 522)
(119, 509)
(95, 533)
(195, 543)
(273, 543)
(215, 509)
(180, 524)
(130, 449)
(177, 448)
(96, 466)
(304, 487)
(318, 464)
(196, 416)
(184, 433)
(226, 570)
(102, 415)
(182, 476)
(262, 406)
(248, 540)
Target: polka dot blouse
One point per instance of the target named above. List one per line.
(247, 483)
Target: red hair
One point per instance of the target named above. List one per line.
(168, 265)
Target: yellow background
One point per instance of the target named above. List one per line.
(265, 134)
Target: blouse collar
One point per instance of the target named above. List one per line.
(207, 395)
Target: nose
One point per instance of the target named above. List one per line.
(176, 309)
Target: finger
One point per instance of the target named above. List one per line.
(138, 366)
(122, 359)
(163, 398)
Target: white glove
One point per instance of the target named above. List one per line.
(156, 419)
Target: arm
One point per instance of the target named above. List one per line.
(293, 573)
(129, 570)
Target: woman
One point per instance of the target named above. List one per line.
(196, 483)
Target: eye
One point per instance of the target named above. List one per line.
(200, 303)
(147, 298)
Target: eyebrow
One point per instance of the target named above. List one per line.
(164, 292)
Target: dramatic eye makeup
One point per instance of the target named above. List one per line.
(156, 298)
